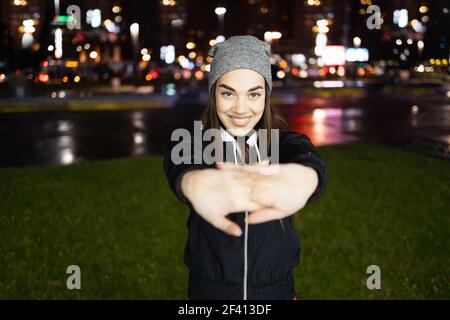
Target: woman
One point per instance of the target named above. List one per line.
(242, 242)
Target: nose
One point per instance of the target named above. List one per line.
(240, 106)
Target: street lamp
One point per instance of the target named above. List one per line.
(134, 31)
(269, 36)
(56, 7)
(220, 11)
(321, 38)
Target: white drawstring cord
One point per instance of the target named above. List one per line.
(235, 151)
(257, 152)
(245, 232)
(246, 224)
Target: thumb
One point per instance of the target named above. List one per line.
(227, 226)
(259, 167)
(249, 168)
(227, 166)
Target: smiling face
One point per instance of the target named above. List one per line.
(240, 96)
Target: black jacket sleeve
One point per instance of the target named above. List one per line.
(297, 148)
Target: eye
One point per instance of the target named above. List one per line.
(226, 93)
(254, 94)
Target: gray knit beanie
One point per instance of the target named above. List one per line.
(240, 52)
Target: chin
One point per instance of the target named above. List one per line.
(239, 131)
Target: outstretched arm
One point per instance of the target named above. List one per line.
(210, 192)
(298, 148)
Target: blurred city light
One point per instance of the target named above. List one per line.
(190, 45)
(58, 44)
(167, 54)
(333, 55)
(326, 42)
(220, 38)
(220, 10)
(357, 54)
(417, 26)
(423, 9)
(146, 57)
(116, 9)
(313, 2)
(321, 42)
(420, 44)
(401, 17)
(298, 59)
(20, 2)
(169, 2)
(94, 18)
(327, 84)
(134, 29)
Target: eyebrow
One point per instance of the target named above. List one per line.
(232, 89)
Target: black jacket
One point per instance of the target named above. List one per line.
(216, 260)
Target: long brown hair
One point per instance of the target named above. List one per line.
(271, 118)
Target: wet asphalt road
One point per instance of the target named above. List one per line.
(66, 137)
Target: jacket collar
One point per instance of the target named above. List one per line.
(228, 137)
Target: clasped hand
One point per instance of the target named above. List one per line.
(267, 192)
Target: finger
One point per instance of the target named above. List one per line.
(265, 215)
(254, 206)
(221, 163)
(228, 226)
(261, 199)
(227, 166)
(241, 200)
(232, 166)
(263, 162)
(249, 181)
(254, 168)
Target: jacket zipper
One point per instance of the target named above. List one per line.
(245, 280)
(245, 255)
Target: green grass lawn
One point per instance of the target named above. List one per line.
(120, 223)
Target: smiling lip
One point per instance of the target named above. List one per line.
(240, 121)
